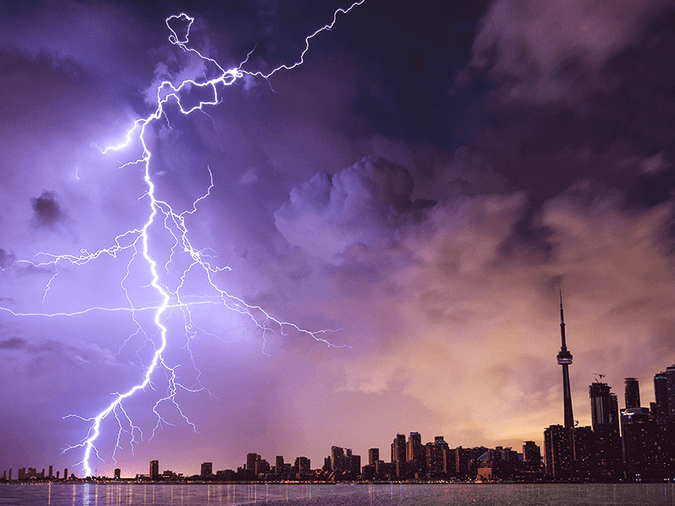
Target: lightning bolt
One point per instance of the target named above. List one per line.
(136, 243)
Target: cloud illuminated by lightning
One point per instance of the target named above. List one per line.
(163, 218)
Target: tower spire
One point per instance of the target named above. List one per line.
(565, 359)
(562, 324)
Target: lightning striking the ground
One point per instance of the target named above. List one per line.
(135, 243)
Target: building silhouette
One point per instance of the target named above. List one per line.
(256, 467)
(558, 452)
(373, 456)
(337, 459)
(415, 456)
(154, 470)
(670, 384)
(647, 436)
(605, 423)
(583, 453)
(660, 408)
(398, 456)
(632, 393)
(437, 458)
(206, 469)
(352, 464)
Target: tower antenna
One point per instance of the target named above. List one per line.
(565, 359)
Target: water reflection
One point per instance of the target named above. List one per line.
(90, 494)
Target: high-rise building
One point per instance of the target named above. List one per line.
(670, 383)
(463, 458)
(373, 456)
(352, 463)
(256, 465)
(415, 455)
(632, 395)
(531, 465)
(337, 458)
(398, 448)
(279, 466)
(604, 406)
(558, 452)
(605, 421)
(302, 467)
(398, 456)
(437, 458)
(118, 473)
(661, 397)
(583, 452)
(154, 470)
(642, 444)
(531, 452)
(207, 469)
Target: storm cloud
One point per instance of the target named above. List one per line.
(46, 209)
(418, 191)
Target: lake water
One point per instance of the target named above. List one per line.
(87, 494)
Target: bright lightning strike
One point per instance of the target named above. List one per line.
(136, 242)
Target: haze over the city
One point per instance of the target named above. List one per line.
(422, 186)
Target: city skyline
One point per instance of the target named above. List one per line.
(421, 189)
(605, 413)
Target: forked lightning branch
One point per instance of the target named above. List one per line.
(136, 241)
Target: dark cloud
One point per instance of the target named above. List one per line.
(46, 209)
(14, 343)
(555, 51)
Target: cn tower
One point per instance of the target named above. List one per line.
(565, 359)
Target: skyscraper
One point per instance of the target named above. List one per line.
(558, 452)
(661, 397)
(642, 446)
(632, 395)
(583, 452)
(154, 470)
(604, 406)
(253, 465)
(415, 455)
(565, 359)
(337, 458)
(670, 383)
(398, 455)
(605, 421)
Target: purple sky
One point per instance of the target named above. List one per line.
(424, 184)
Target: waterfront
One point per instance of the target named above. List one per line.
(89, 494)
